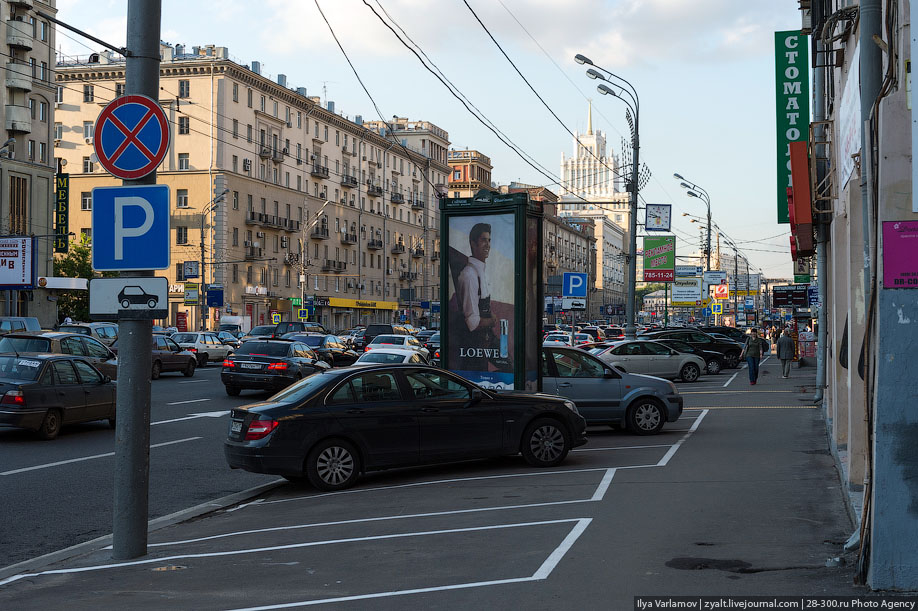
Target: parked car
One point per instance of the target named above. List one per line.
(375, 329)
(330, 348)
(397, 341)
(58, 342)
(205, 345)
(557, 339)
(737, 335)
(614, 333)
(105, 332)
(714, 361)
(43, 392)
(268, 364)
(595, 333)
(424, 335)
(260, 331)
(332, 426)
(229, 339)
(168, 356)
(654, 359)
(730, 350)
(432, 343)
(13, 324)
(392, 355)
(298, 326)
(607, 395)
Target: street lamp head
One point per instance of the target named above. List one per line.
(583, 59)
(678, 176)
(594, 74)
(692, 194)
(685, 185)
(603, 89)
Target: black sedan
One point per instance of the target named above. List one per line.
(331, 427)
(731, 350)
(268, 364)
(330, 348)
(42, 392)
(714, 361)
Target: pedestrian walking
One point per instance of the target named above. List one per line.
(785, 352)
(752, 352)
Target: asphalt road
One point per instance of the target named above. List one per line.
(739, 497)
(54, 494)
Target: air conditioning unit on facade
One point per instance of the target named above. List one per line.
(247, 165)
(88, 140)
(260, 234)
(283, 242)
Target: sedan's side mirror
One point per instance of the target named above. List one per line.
(476, 396)
(106, 380)
(608, 373)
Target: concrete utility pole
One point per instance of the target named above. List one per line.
(132, 424)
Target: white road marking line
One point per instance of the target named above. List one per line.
(189, 401)
(193, 381)
(193, 416)
(732, 378)
(274, 548)
(542, 573)
(662, 445)
(603, 487)
(73, 460)
(678, 444)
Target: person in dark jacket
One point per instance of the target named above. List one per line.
(785, 352)
(752, 352)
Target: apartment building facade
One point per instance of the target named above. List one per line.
(26, 153)
(470, 172)
(292, 202)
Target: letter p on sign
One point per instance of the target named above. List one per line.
(121, 231)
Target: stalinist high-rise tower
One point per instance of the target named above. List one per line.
(589, 172)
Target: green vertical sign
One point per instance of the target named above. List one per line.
(659, 258)
(792, 105)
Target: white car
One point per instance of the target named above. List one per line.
(205, 345)
(408, 342)
(564, 339)
(391, 355)
(654, 359)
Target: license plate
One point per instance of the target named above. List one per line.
(249, 365)
(236, 426)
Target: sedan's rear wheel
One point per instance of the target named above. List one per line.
(189, 368)
(333, 465)
(51, 425)
(646, 417)
(690, 372)
(157, 370)
(713, 367)
(545, 443)
(731, 360)
(202, 359)
(233, 391)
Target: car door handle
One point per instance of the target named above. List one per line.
(355, 410)
(428, 408)
(564, 385)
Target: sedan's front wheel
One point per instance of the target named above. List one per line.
(545, 443)
(333, 465)
(713, 367)
(646, 417)
(690, 372)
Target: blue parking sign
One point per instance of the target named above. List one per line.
(574, 285)
(130, 228)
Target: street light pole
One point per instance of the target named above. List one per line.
(202, 290)
(694, 190)
(626, 89)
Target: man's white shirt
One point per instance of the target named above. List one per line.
(469, 278)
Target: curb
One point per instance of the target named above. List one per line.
(152, 526)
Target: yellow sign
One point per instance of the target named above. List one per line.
(275, 318)
(338, 302)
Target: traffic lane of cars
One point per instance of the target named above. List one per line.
(445, 524)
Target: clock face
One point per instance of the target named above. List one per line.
(658, 217)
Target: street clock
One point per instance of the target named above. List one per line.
(658, 217)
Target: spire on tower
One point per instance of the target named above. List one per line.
(590, 118)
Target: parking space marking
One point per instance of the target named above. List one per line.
(193, 381)
(736, 392)
(81, 459)
(662, 445)
(727, 383)
(541, 574)
(274, 548)
(597, 496)
(672, 450)
(760, 407)
(216, 414)
(189, 401)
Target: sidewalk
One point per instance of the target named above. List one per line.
(740, 497)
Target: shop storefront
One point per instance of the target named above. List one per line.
(337, 313)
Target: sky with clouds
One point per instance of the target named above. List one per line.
(703, 69)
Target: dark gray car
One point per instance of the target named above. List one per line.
(606, 395)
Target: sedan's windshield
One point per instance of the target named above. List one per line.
(311, 340)
(25, 344)
(185, 338)
(75, 329)
(256, 348)
(16, 368)
(262, 330)
(389, 339)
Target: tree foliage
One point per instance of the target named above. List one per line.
(77, 263)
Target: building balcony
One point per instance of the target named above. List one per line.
(374, 244)
(319, 233)
(417, 204)
(319, 170)
(264, 152)
(417, 252)
(278, 155)
(409, 276)
(19, 76)
(292, 225)
(349, 182)
(397, 198)
(253, 252)
(26, 5)
(330, 265)
(19, 34)
(435, 256)
(374, 191)
(18, 119)
(251, 217)
(275, 221)
(398, 249)
(348, 238)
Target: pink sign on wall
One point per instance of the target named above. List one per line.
(900, 254)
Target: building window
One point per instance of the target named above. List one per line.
(58, 131)
(275, 115)
(89, 94)
(248, 274)
(235, 200)
(287, 278)
(181, 235)
(18, 202)
(32, 67)
(43, 152)
(263, 103)
(87, 165)
(183, 162)
(235, 236)
(59, 95)
(181, 198)
(275, 175)
(235, 163)
(299, 152)
(86, 234)
(235, 273)
(86, 200)
(326, 133)
(43, 71)
(287, 179)
(179, 272)
(248, 133)
(249, 96)
(261, 171)
(88, 127)
(43, 31)
(32, 108)
(235, 128)
(235, 92)
(184, 127)
(299, 183)
(184, 89)
(299, 120)
(119, 90)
